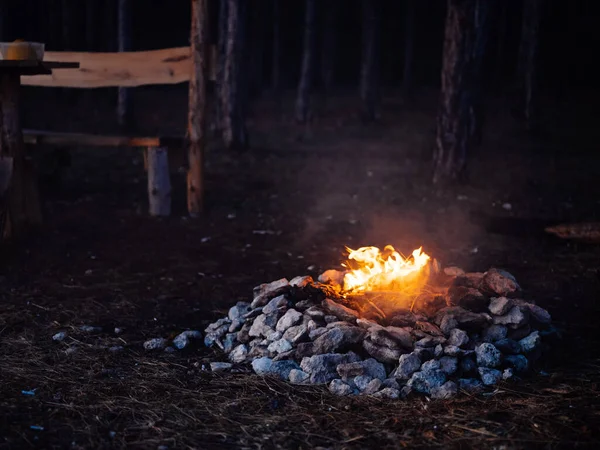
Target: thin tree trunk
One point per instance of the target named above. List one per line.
(308, 58)
(234, 127)
(329, 45)
(124, 101)
(275, 63)
(369, 73)
(458, 122)
(409, 44)
(527, 69)
(197, 106)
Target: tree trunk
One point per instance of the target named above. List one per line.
(276, 61)
(234, 127)
(159, 182)
(308, 58)
(409, 43)
(124, 101)
(459, 115)
(527, 68)
(221, 58)
(197, 106)
(329, 45)
(369, 72)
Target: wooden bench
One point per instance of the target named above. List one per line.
(160, 154)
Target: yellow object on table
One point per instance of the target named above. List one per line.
(20, 50)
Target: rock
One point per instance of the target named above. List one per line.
(367, 324)
(445, 391)
(519, 333)
(424, 381)
(488, 355)
(304, 349)
(373, 386)
(391, 383)
(517, 362)
(448, 365)
(361, 382)
(282, 369)
(500, 305)
(467, 366)
(90, 329)
(494, 333)
(322, 368)
(238, 311)
(216, 330)
(220, 366)
(430, 341)
(236, 325)
(408, 364)
(369, 367)
(156, 344)
(169, 350)
(239, 354)
(337, 324)
(470, 384)
(338, 338)
(530, 343)
(539, 314)
(427, 327)
(253, 313)
(262, 366)
(296, 333)
(489, 376)
(430, 365)
(508, 346)
(314, 334)
(447, 324)
(382, 353)
(507, 374)
(425, 353)
(438, 351)
(469, 279)
(298, 376)
(400, 335)
(183, 339)
(340, 311)
(60, 336)
(467, 297)
(516, 317)
(118, 330)
(452, 316)
(387, 392)
(290, 354)
(332, 276)
(338, 387)
(263, 325)
(243, 335)
(406, 319)
(258, 351)
(274, 336)
(301, 282)
(314, 312)
(458, 338)
(289, 319)
(330, 319)
(280, 346)
(453, 350)
(265, 292)
(500, 282)
(116, 349)
(453, 271)
(275, 304)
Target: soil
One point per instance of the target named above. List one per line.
(287, 207)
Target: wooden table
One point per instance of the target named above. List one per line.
(20, 205)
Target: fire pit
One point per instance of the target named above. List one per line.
(387, 326)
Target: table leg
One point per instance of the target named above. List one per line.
(22, 197)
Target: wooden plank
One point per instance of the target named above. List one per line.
(159, 182)
(125, 69)
(34, 137)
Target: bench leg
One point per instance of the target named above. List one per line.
(159, 182)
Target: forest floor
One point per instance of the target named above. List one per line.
(101, 261)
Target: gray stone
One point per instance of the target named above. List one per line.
(447, 324)
(425, 353)
(262, 366)
(322, 368)
(488, 355)
(301, 282)
(332, 276)
(280, 346)
(340, 311)
(330, 319)
(275, 304)
(530, 343)
(90, 329)
(289, 319)
(290, 354)
(517, 362)
(500, 282)
(314, 312)
(430, 365)
(338, 339)
(453, 316)
(448, 365)
(369, 367)
(406, 319)
(517, 316)
(500, 305)
(539, 314)
(263, 325)
(373, 386)
(274, 336)
(236, 325)
(453, 350)
(508, 374)
(391, 383)
(60, 336)
(458, 338)
(303, 305)
(387, 392)
(454, 271)
(438, 351)
(253, 313)
(116, 349)
(239, 354)
(243, 335)
(489, 376)
(407, 365)
(310, 324)
(400, 335)
(467, 297)
(156, 344)
(220, 366)
(427, 327)
(367, 324)
(519, 333)
(469, 279)
(382, 353)
(337, 324)
(314, 334)
(361, 382)
(470, 384)
(298, 376)
(467, 366)
(265, 292)
(229, 342)
(445, 391)
(430, 341)
(282, 369)
(508, 346)
(424, 381)
(238, 311)
(296, 333)
(338, 387)
(494, 333)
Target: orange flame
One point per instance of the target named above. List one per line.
(374, 270)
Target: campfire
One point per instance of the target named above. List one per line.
(387, 325)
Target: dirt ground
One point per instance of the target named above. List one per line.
(287, 208)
